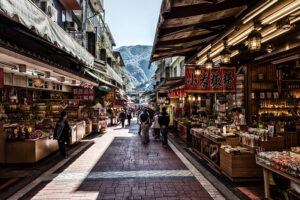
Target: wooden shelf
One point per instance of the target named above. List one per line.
(292, 80)
(279, 108)
(264, 81)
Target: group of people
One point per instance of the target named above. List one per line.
(125, 115)
(159, 123)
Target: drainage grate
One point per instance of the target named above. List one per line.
(152, 154)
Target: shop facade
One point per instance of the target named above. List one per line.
(239, 111)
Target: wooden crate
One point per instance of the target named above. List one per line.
(239, 166)
(291, 139)
(274, 144)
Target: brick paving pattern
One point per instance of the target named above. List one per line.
(119, 166)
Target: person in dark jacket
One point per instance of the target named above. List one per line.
(164, 120)
(62, 133)
(129, 117)
(122, 118)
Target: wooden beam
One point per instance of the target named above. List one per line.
(203, 8)
(185, 40)
(175, 51)
(191, 20)
(180, 3)
(196, 26)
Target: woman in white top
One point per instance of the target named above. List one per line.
(156, 127)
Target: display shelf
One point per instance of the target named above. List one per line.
(277, 108)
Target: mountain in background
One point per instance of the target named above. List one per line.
(136, 59)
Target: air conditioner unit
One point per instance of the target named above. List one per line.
(71, 26)
(48, 7)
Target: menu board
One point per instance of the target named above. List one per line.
(84, 94)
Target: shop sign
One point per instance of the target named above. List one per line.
(221, 79)
(162, 100)
(1, 78)
(177, 93)
(84, 94)
(119, 102)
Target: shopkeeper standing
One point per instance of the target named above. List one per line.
(62, 133)
(239, 118)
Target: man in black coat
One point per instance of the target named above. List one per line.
(62, 133)
(122, 118)
(164, 120)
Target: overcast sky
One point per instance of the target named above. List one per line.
(132, 22)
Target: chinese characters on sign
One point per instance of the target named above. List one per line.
(222, 79)
(84, 94)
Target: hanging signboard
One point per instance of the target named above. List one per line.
(221, 79)
(84, 94)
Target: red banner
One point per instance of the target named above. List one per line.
(119, 102)
(221, 79)
(176, 93)
(84, 94)
(1, 78)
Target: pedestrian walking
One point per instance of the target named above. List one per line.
(145, 125)
(129, 117)
(164, 121)
(156, 126)
(62, 133)
(122, 118)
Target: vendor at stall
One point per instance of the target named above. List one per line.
(238, 117)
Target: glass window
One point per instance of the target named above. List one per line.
(63, 15)
(182, 72)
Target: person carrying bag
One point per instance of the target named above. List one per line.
(62, 133)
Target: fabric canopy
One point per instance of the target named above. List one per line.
(33, 18)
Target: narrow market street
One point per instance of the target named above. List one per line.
(118, 166)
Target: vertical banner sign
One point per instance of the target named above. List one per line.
(1, 78)
(221, 79)
(84, 94)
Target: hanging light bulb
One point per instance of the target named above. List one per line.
(190, 98)
(269, 48)
(197, 70)
(254, 39)
(199, 98)
(194, 98)
(209, 63)
(225, 54)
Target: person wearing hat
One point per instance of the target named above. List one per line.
(62, 133)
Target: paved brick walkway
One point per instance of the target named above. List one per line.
(119, 166)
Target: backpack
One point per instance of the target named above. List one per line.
(144, 117)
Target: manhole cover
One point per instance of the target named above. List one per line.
(152, 154)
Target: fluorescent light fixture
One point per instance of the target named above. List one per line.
(295, 20)
(217, 58)
(262, 8)
(239, 38)
(268, 32)
(234, 53)
(203, 51)
(271, 36)
(292, 7)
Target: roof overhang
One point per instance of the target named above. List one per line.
(185, 26)
(171, 83)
